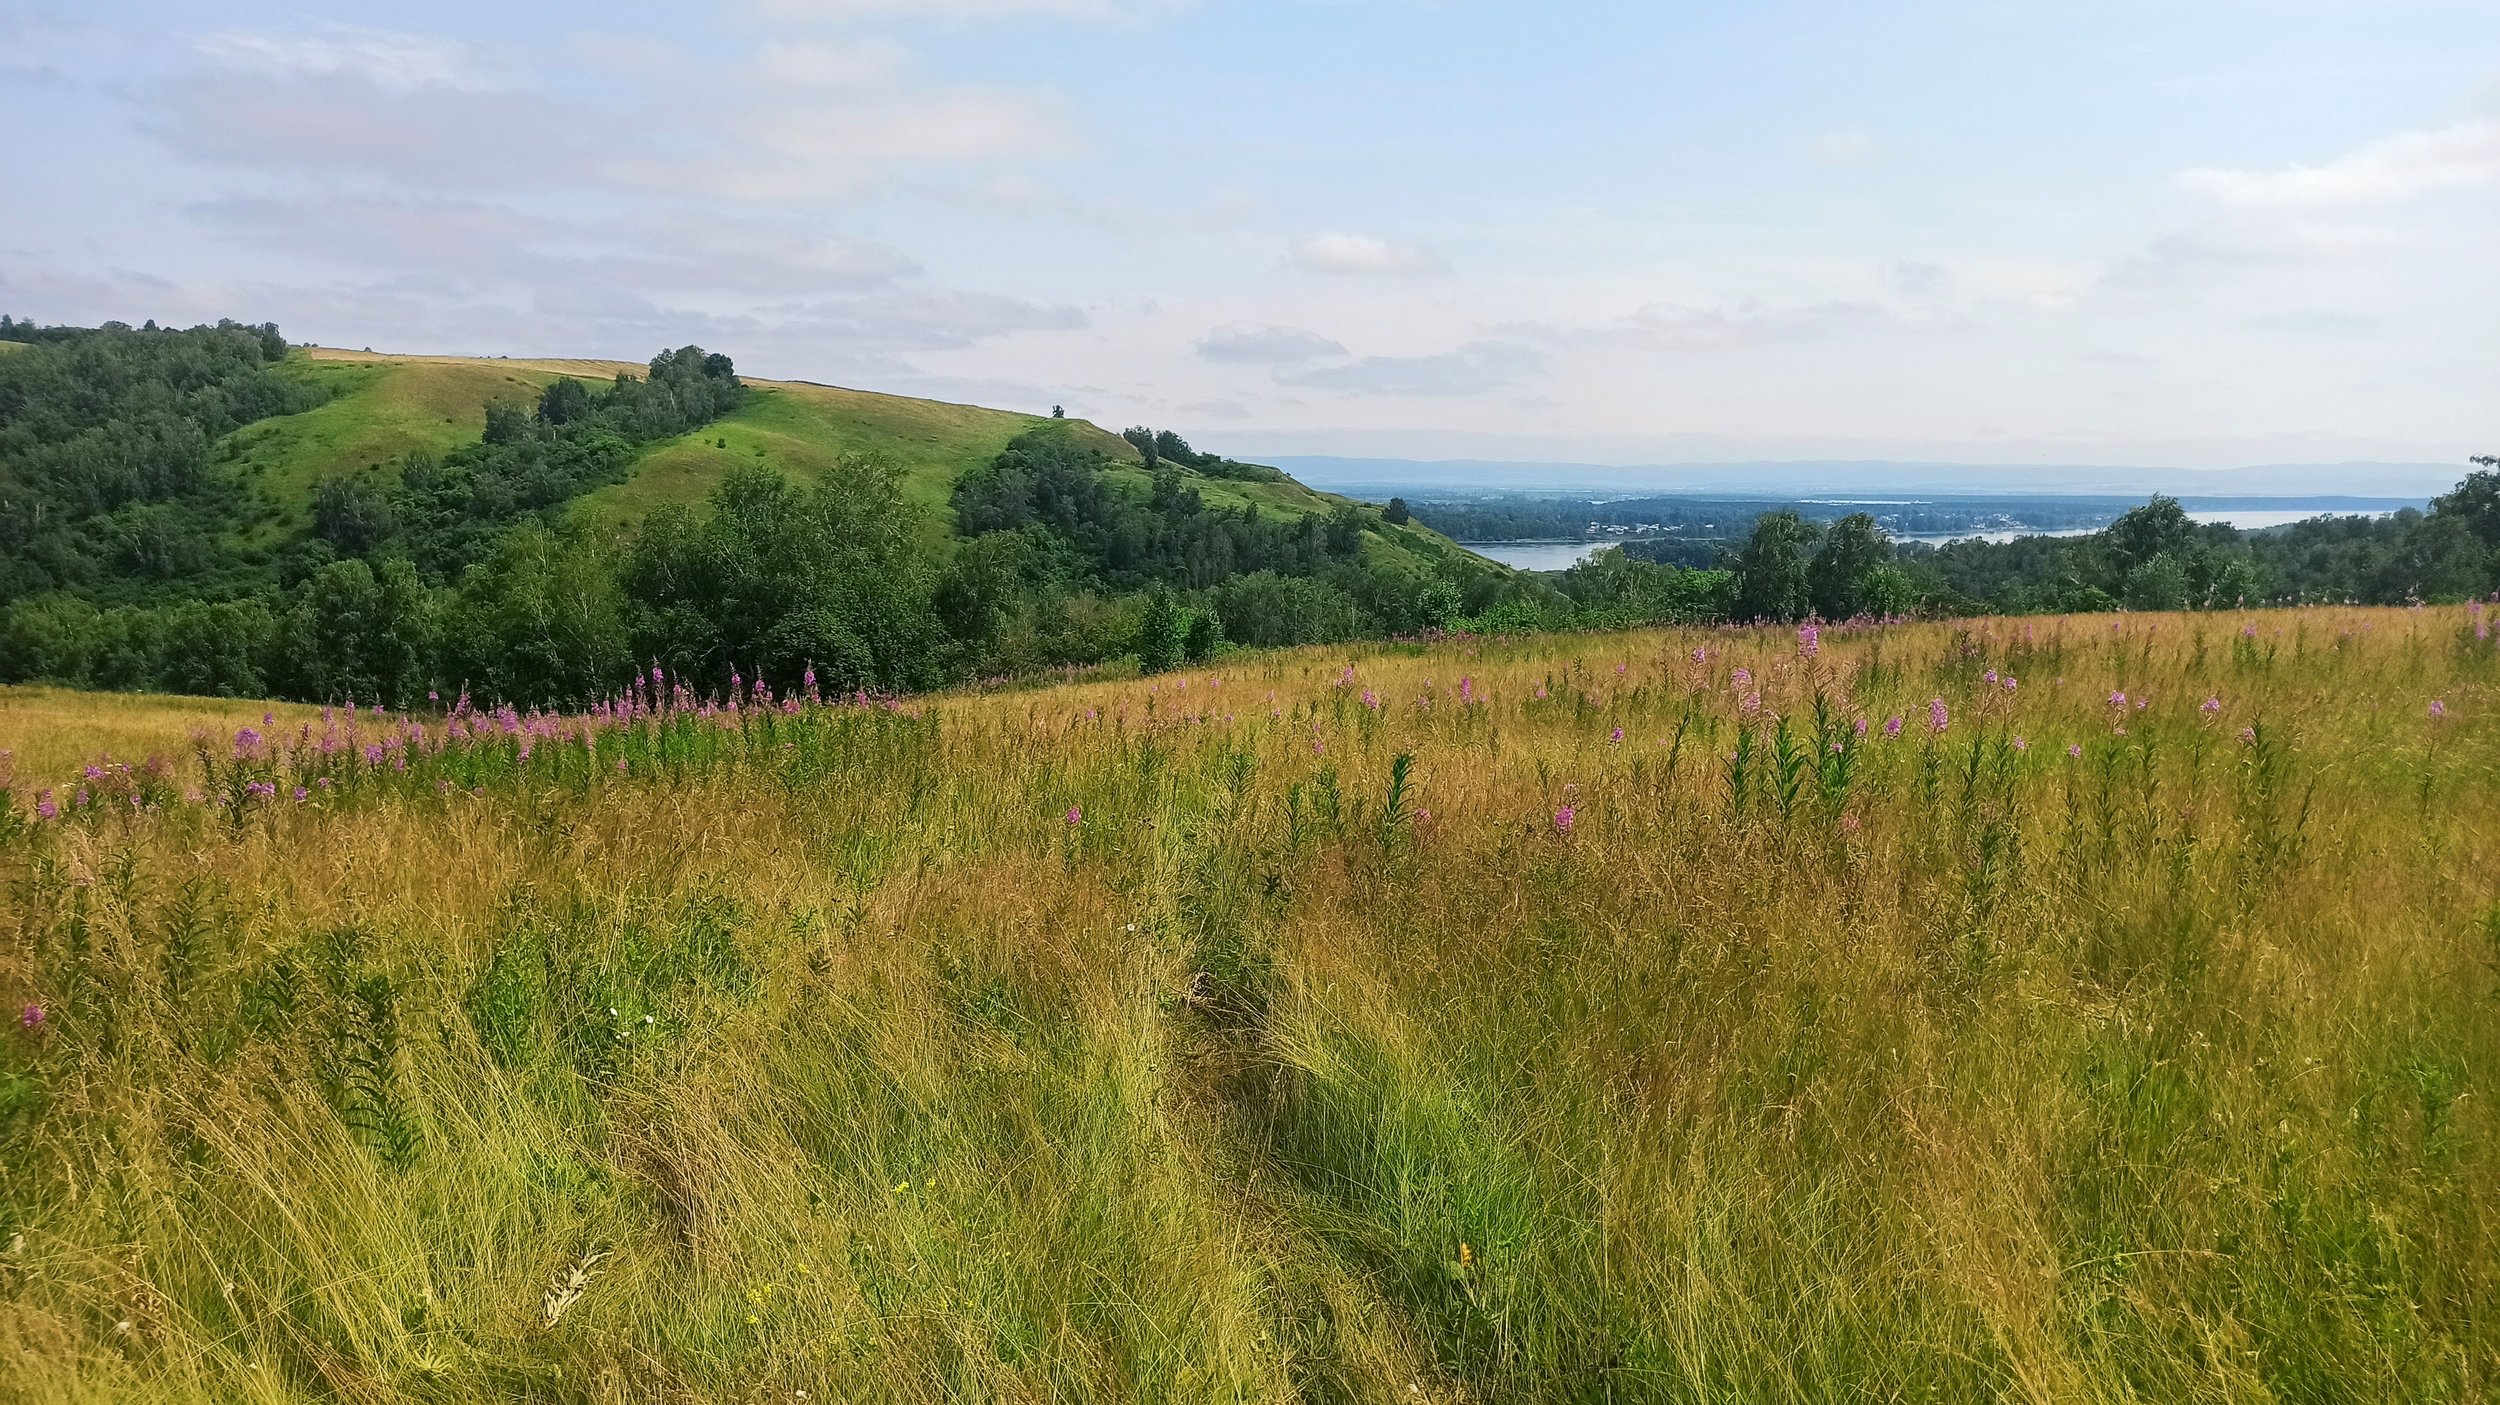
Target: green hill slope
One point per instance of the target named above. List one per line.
(384, 407)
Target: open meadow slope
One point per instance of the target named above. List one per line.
(385, 406)
(2056, 1009)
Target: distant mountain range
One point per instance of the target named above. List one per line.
(2338, 485)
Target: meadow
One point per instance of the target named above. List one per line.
(2098, 1008)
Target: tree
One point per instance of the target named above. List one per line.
(351, 513)
(1059, 412)
(1173, 448)
(1888, 591)
(779, 578)
(564, 402)
(1144, 440)
(1852, 552)
(2160, 583)
(1345, 530)
(1395, 514)
(1771, 570)
(2160, 527)
(1160, 642)
(1205, 632)
(353, 632)
(2476, 501)
(505, 423)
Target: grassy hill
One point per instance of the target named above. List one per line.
(1576, 1018)
(385, 406)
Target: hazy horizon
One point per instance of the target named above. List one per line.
(2207, 233)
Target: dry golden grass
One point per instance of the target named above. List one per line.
(49, 735)
(828, 1055)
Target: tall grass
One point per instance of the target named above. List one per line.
(1564, 1019)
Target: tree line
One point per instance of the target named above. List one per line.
(464, 572)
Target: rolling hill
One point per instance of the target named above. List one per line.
(386, 406)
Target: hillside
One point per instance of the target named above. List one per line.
(385, 406)
(1647, 1017)
(211, 510)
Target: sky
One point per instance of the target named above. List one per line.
(2158, 232)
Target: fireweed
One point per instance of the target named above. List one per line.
(858, 1044)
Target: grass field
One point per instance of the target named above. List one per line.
(380, 411)
(804, 429)
(48, 735)
(1595, 1018)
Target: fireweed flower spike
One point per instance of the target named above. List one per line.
(1564, 818)
(1892, 727)
(1937, 717)
(1076, 816)
(2438, 709)
(32, 1017)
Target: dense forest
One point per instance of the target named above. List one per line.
(137, 558)
(2155, 557)
(134, 555)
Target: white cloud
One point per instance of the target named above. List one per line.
(1676, 327)
(1843, 146)
(959, 11)
(1253, 344)
(797, 122)
(393, 62)
(795, 63)
(1477, 368)
(2391, 169)
(1364, 255)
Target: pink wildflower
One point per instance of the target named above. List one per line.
(1564, 818)
(32, 1017)
(1076, 816)
(2438, 709)
(2210, 706)
(1937, 717)
(1892, 727)
(2075, 749)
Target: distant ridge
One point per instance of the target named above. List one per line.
(2357, 484)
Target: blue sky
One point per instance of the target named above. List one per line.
(2197, 232)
